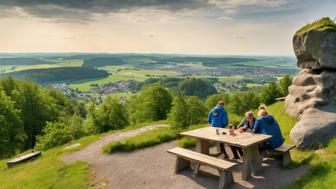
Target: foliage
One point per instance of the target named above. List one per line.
(196, 87)
(270, 93)
(284, 83)
(55, 134)
(187, 111)
(37, 106)
(213, 100)
(179, 114)
(197, 111)
(49, 75)
(143, 140)
(110, 115)
(103, 61)
(322, 24)
(59, 133)
(12, 134)
(151, 104)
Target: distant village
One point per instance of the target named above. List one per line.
(97, 92)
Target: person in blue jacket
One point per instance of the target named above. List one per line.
(218, 118)
(266, 124)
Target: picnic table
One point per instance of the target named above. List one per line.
(246, 140)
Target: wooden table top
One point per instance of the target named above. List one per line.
(244, 139)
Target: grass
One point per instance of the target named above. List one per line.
(49, 172)
(230, 78)
(320, 25)
(143, 140)
(46, 172)
(322, 170)
(124, 74)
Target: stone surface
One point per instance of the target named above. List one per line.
(316, 49)
(312, 95)
(314, 129)
(310, 90)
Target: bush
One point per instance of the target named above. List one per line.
(187, 111)
(55, 134)
(270, 93)
(152, 104)
(110, 115)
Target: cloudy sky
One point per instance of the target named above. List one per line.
(222, 27)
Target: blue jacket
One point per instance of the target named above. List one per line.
(268, 125)
(218, 117)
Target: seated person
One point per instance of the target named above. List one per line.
(218, 118)
(247, 124)
(266, 124)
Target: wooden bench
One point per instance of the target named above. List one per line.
(284, 151)
(23, 158)
(185, 157)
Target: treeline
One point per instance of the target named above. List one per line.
(33, 115)
(65, 74)
(25, 109)
(188, 86)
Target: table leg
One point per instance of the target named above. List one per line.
(256, 160)
(202, 146)
(251, 161)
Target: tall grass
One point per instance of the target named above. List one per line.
(143, 140)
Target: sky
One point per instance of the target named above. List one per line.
(201, 27)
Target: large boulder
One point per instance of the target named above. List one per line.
(316, 49)
(314, 129)
(312, 95)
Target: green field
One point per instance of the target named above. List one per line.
(125, 74)
(56, 64)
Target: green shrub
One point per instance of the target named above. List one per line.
(187, 111)
(143, 140)
(55, 134)
(322, 24)
(110, 115)
(151, 104)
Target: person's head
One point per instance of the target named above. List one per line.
(221, 103)
(249, 115)
(262, 112)
(262, 107)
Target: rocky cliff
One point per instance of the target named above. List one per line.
(312, 96)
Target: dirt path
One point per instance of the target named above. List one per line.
(152, 168)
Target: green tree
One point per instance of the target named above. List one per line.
(197, 111)
(37, 106)
(213, 100)
(270, 93)
(285, 82)
(179, 115)
(12, 134)
(152, 104)
(110, 115)
(197, 87)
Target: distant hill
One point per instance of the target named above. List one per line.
(63, 74)
(22, 61)
(103, 61)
